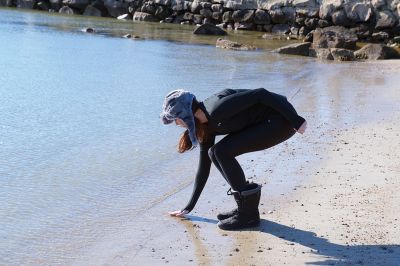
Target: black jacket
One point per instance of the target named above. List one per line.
(229, 111)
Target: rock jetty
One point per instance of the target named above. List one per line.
(370, 20)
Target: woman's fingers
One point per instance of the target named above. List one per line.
(178, 213)
(302, 128)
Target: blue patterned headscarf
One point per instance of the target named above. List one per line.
(178, 104)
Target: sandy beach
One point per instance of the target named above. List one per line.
(342, 207)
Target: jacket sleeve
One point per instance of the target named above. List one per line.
(237, 102)
(202, 174)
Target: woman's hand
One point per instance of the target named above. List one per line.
(302, 128)
(179, 213)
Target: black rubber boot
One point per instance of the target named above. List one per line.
(247, 212)
(225, 215)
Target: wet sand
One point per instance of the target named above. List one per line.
(342, 203)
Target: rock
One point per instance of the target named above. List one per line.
(188, 16)
(322, 23)
(116, 8)
(321, 53)
(380, 36)
(303, 31)
(197, 19)
(376, 52)
(273, 4)
(148, 8)
(311, 23)
(163, 2)
(385, 19)
(209, 29)
(290, 14)
(124, 17)
(217, 8)
(396, 39)
(66, 10)
(226, 44)
(55, 4)
(177, 5)
(334, 37)
(217, 17)
(281, 29)
(339, 18)
(294, 31)
(243, 16)
(340, 54)
(244, 26)
(261, 17)
(88, 30)
(92, 11)
(206, 5)
(26, 4)
(311, 12)
(277, 16)
(295, 49)
(196, 7)
(300, 21)
(328, 7)
(241, 5)
(206, 13)
(227, 17)
(309, 37)
(42, 5)
(142, 16)
(358, 12)
(304, 3)
(6, 3)
(378, 3)
(162, 12)
(79, 4)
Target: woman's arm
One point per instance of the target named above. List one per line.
(202, 174)
(237, 102)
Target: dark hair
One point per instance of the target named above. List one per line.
(184, 143)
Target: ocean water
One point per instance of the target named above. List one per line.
(82, 149)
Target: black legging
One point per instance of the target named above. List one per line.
(261, 136)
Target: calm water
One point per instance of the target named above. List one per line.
(82, 150)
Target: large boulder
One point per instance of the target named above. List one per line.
(339, 18)
(385, 19)
(209, 29)
(358, 12)
(142, 16)
(227, 17)
(243, 16)
(277, 16)
(328, 7)
(334, 37)
(376, 52)
(226, 44)
(295, 49)
(262, 17)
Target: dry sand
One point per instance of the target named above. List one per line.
(335, 199)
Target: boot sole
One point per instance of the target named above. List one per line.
(235, 228)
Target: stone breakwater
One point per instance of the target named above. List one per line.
(376, 20)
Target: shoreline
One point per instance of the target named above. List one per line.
(342, 212)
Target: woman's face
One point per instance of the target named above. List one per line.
(179, 122)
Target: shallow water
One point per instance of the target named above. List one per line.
(82, 148)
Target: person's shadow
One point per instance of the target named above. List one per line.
(338, 254)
